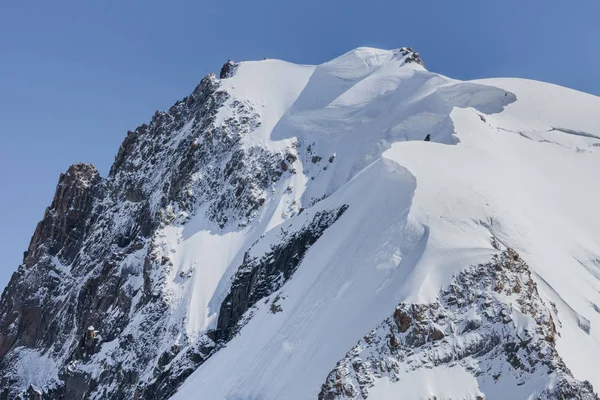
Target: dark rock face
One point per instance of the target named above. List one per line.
(228, 70)
(469, 326)
(257, 278)
(93, 259)
(63, 227)
(60, 233)
(171, 373)
(411, 56)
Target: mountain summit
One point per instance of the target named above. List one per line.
(360, 228)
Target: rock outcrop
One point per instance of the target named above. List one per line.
(490, 321)
(63, 227)
(228, 70)
(259, 277)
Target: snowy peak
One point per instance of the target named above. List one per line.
(362, 227)
(362, 61)
(294, 86)
(366, 59)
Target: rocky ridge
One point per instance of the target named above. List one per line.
(490, 321)
(95, 260)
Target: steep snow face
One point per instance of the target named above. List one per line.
(271, 86)
(511, 161)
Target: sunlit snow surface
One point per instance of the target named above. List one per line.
(510, 158)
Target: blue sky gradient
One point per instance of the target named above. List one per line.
(75, 76)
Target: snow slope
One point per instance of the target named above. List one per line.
(510, 159)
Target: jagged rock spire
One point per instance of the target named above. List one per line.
(61, 229)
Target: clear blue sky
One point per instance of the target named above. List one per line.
(76, 75)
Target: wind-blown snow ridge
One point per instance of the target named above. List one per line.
(488, 184)
(247, 239)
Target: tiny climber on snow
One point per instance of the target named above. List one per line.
(428, 137)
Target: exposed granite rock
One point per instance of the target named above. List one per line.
(228, 70)
(477, 322)
(63, 227)
(411, 56)
(58, 236)
(257, 277)
(174, 367)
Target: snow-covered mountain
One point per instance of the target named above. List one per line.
(360, 228)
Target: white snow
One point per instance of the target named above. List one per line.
(35, 369)
(271, 86)
(203, 257)
(512, 158)
(454, 382)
